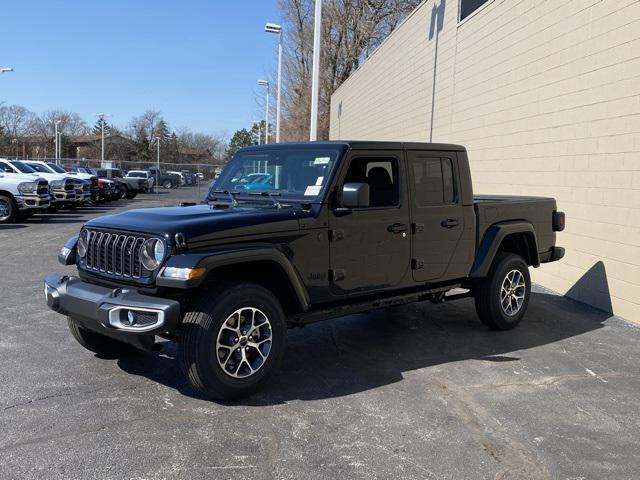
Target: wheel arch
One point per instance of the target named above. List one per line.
(517, 237)
(264, 266)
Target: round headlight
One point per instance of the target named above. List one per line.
(152, 253)
(82, 243)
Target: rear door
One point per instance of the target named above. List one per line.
(370, 247)
(437, 215)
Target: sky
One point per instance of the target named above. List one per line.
(196, 61)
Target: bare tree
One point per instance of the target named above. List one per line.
(351, 30)
(70, 124)
(15, 120)
(146, 125)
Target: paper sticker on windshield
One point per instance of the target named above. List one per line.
(312, 190)
(319, 180)
(322, 160)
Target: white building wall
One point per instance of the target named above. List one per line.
(545, 94)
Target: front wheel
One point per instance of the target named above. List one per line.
(8, 209)
(502, 297)
(232, 340)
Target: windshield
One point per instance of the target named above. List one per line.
(23, 167)
(56, 168)
(136, 174)
(293, 173)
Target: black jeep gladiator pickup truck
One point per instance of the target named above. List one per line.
(332, 228)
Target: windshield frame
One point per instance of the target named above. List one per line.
(320, 149)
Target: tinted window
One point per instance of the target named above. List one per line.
(381, 175)
(5, 168)
(467, 7)
(56, 168)
(23, 167)
(433, 181)
(37, 167)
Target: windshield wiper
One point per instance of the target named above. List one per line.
(272, 197)
(231, 194)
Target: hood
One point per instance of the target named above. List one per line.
(202, 223)
(17, 178)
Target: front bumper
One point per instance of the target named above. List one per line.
(64, 197)
(104, 310)
(33, 202)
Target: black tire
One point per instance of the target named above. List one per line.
(167, 184)
(197, 346)
(54, 208)
(488, 298)
(8, 209)
(96, 343)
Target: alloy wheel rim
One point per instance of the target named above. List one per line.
(244, 342)
(5, 210)
(512, 292)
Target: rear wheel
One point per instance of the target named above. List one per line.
(167, 184)
(8, 209)
(232, 341)
(502, 297)
(96, 343)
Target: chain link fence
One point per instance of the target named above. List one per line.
(196, 177)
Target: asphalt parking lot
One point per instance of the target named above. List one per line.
(421, 391)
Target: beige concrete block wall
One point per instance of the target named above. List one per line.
(545, 94)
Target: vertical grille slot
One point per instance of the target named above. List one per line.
(114, 253)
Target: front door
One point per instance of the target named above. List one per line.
(370, 247)
(438, 220)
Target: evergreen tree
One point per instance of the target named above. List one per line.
(162, 131)
(97, 128)
(171, 148)
(242, 138)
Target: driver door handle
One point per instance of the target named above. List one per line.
(449, 223)
(397, 228)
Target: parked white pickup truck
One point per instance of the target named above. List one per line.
(22, 195)
(62, 188)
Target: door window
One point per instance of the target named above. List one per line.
(381, 174)
(433, 181)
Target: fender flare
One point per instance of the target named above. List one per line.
(492, 240)
(225, 257)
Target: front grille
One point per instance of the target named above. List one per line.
(43, 187)
(114, 253)
(69, 185)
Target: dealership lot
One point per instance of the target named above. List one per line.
(420, 391)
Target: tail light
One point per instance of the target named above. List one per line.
(558, 221)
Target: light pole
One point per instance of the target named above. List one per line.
(6, 69)
(277, 29)
(101, 117)
(265, 83)
(59, 146)
(315, 78)
(56, 123)
(259, 123)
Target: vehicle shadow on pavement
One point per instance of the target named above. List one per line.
(12, 227)
(366, 351)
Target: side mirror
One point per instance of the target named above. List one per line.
(355, 195)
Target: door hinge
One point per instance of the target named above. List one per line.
(418, 227)
(336, 275)
(417, 263)
(335, 235)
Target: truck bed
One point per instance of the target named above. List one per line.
(538, 211)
